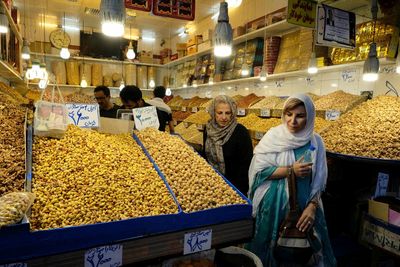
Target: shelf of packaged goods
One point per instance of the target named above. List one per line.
(13, 26)
(9, 73)
(278, 28)
(99, 60)
(83, 88)
(155, 247)
(291, 74)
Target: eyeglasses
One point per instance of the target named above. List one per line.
(100, 98)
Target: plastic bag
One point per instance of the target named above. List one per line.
(51, 119)
(13, 207)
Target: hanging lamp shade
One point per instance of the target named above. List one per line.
(223, 33)
(25, 51)
(312, 64)
(371, 65)
(112, 17)
(3, 21)
(263, 74)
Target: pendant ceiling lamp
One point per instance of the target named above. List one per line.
(223, 33)
(312, 64)
(25, 50)
(64, 53)
(112, 17)
(371, 64)
(3, 21)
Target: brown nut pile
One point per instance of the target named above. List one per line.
(13, 93)
(12, 145)
(87, 177)
(371, 130)
(13, 207)
(338, 100)
(180, 115)
(320, 124)
(80, 98)
(255, 123)
(200, 117)
(269, 102)
(196, 185)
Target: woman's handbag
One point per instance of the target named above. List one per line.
(294, 246)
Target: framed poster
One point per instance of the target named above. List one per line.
(143, 5)
(179, 9)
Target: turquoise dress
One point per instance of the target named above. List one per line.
(271, 213)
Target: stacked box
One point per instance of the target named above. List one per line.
(271, 53)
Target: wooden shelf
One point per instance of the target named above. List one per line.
(9, 73)
(278, 28)
(99, 60)
(13, 26)
(87, 87)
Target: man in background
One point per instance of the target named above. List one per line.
(103, 98)
(131, 97)
(158, 101)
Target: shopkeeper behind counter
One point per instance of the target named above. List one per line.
(103, 98)
(131, 97)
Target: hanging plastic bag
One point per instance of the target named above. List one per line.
(13, 207)
(51, 118)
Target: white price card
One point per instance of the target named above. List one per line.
(265, 112)
(15, 264)
(332, 115)
(381, 184)
(241, 112)
(200, 127)
(183, 108)
(186, 124)
(195, 109)
(104, 256)
(84, 115)
(258, 135)
(145, 117)
(197, 241)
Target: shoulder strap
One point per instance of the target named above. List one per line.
(292, 192)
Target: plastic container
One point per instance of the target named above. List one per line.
(308, 154)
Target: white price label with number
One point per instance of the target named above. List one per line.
(197, 241)
(241, 112)
(104, 256)
(145, 117)
(332, 115)
(16, 264)
(265, 113)
(195, 109)
(186, 124)
(381, 184)
(258, 135)
(183, 108)
(84, 115)
(200, 127)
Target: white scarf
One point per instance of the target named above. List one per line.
(276, 149)
(159, 103)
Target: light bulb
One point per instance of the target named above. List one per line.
(152, 84)
(64, 53)
(312, 64)
(263, 74)
(398, 69)
(122, 85)
(234, 3)
(130, 54)
(211, 81)
(370, 77)
(168, 92)
(371, 65)
(112, 28)
(35, 65)
(222, 50)
(194, 84)
(25, 51)
(29, 73)
(398, 64)
(43, 83)
(184, 85)
(83, 81)
(245, 70)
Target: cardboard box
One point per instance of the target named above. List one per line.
(181, 46)
(240, 30)
(181, 53)
(194, 40)
(192, 50)
(37, 47)
(204, 46)
(207, 35)
(174, 57)
(146, 57)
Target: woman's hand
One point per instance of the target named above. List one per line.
(302, 169)
(306, 219)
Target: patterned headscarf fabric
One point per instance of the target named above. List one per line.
(217, 136)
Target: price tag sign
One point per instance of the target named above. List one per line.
(16, 264)
(258, 135)
(197, 241)
(332, 115)
(195, 109)
(84, 115)
(145, 117)
(183, 108)
(200, 127)
(265, 113)
(382, 184)
(104, 256)
(241, 112)
(186, 124)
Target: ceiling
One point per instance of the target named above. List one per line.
(78, 12)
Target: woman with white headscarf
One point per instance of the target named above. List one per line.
(279, 153)
(227, 144)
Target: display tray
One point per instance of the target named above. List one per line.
(362, 159)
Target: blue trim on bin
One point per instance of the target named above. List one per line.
(390, 227)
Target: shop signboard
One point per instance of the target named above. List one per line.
(84, 115)
(302, 13)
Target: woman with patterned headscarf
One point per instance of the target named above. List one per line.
(279, 154)
(227, 144)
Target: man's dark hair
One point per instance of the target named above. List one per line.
(103, 88)
(130, 92)
(159, 91)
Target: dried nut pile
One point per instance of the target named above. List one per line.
(87, 177)
(176, 101)
(320, 124)
(13, 207)
(255, 123)
(13, 93)
(12, 145)
(190, 134)
(180, 115)
(200, 117)
(269, 102)
(80, 98)
(370, 130)
(196, 185)
(338, 100)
